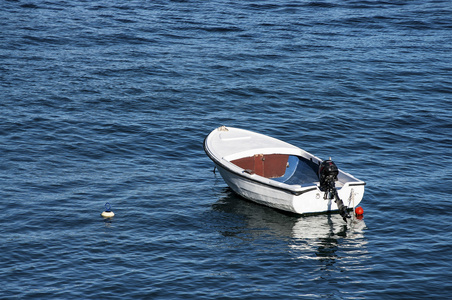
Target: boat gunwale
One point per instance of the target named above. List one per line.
(292, 189)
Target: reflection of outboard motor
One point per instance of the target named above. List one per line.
(328, 172)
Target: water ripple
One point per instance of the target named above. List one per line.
(110, 102)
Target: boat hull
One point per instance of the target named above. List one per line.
(309, 202)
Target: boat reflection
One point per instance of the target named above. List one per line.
(318, 237)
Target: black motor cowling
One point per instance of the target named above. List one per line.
(327, 173)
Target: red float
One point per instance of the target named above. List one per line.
(359, 211)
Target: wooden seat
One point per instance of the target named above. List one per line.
(268, 165)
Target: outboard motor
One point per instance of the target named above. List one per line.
(328, 172)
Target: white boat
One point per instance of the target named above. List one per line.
(277, 174)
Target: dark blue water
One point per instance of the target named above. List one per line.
(109, 101)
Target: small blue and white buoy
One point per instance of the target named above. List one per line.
(107, 213)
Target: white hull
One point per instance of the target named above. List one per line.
(311, 201)
(225, 145)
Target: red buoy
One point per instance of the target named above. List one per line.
(359, 211)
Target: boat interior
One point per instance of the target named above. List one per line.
(289, 169)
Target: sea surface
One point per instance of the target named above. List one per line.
(110, 101)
